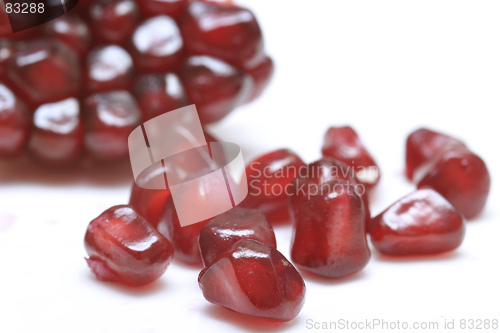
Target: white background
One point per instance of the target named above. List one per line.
(386, 68)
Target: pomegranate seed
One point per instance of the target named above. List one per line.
(261, 75)
(269, 178)
(422, 145)
(72, 31)
(461, 177)
(7, 49)
(160, 93)
(254, 279)
(45, 71)
(157, 45)
(214, 86)
(172, 8)
(113, 21)
(224, 31)
(14, 123)
(422, 222)
(124, 248)
(329, 236)
(109, 68)
(57, 136)
(110, 117)
(218, 235)
(343, 143)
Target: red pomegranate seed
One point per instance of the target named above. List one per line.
(422, 145)
(7, 50)
(269, 178)
(57, 135)
(343, 144)
(15, 121)
(72, 31)
(214, 86)
(123, 248)
(422, 222)
(461, 177)
(218, 235)
(254, 279)
(157, 45)
(109, 68)
(110, 117)
(224, 31)
(159, 93)
(329, 236)
(261, 76)
(45, 71)
(113, 21)
(172, 8)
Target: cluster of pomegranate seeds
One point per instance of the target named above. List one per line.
(163, 54)
(124, 248)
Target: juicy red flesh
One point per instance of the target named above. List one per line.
(71, 30)
(423, 145)
(14, 123)
(254, 279)
(344, 144)
(218, 235)
(57, 135)
(269, 178)
(329, 236)
(123, 248)
(110, 117)
(423, 222)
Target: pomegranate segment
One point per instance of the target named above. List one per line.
(255, 279)
(72, 31)
(329, 236)
(15, 121)
(422, 222)
(123, 248)
(218, 235)
(269, 177)
(57, 135)
(344, 144)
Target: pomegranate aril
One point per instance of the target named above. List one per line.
(109, 68)
(15, 121)
(157, 45)
(57, 135)
(461, 177)
(45, 71)
(269, 177)
(7, 50)
(344, 144)
(113, 21)
(159, 93)
(254, 279)
(423, 145)
(423, 222)
(214, 86)
(329, 235)
(218, 235)
(172, 8)
(224, 31)
(71, 30)
(110, 117)
(261, 75)
(123, 248)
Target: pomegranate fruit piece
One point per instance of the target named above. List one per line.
(255, 279)
(261, 75)
(57, 135)
(7, 50)
(157, 45)
(15, 121)
(45, 71)
(72, 31)
(109, 68)
(123, 248)
(329, 236)
(461, 177)
(269, 177)
(422, 222)
(110, 117)
(423, 145)
(172, 8)
(113, 21)
(344, 144)
(218, 235)
(224, 31)
(159, 93)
